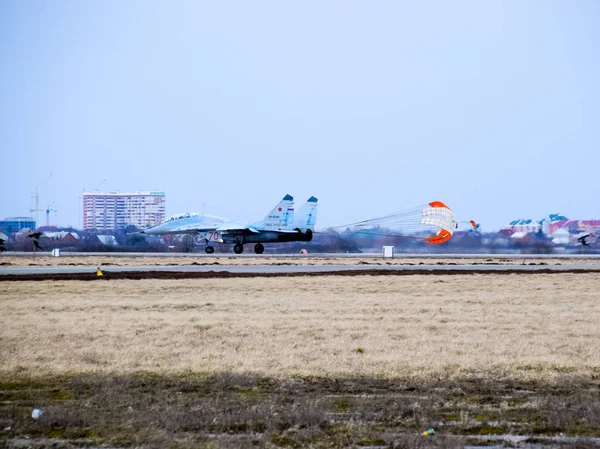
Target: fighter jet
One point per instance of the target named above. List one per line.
(278, 225)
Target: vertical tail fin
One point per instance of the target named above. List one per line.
(281, 217)
(307, 215)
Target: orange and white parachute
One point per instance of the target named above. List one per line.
(440, 216)
(420, 223)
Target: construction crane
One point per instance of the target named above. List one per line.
(48, 210)
(36, 198)
(97, 186)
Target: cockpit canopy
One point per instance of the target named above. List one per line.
(182, 216)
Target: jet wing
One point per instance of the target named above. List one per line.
(236, 227)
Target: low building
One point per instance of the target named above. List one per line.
(15, 224)
(22, 235)
(61, 236)
(108, 240)
(551, 224)
(525, 225)
(561, 237)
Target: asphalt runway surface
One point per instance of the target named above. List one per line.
(229, 271)
(317, 256)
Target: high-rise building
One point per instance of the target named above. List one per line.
(108, 211)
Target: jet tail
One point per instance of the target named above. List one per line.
(307, 215)
(281, 217)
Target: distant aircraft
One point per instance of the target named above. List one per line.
(583, 240)
(35, 236)
(278, 226)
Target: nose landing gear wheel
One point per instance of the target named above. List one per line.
(209, 249)
(238, 248)
(259, 248)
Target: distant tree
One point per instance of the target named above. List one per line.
(48, 228)
(136, 240)
(541, 243)
(130, 229)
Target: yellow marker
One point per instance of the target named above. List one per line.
(99, 272)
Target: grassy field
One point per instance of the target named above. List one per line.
(328, 361)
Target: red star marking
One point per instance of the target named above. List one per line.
(279, 209)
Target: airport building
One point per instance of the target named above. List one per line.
(115, 210)
(15, 224)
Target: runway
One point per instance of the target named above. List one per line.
(215, 270)
(316, 256)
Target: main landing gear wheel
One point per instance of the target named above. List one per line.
(309, 235)
(259, 248)
(209, 249)
(238, 248)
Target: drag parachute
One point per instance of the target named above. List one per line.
(417, 223)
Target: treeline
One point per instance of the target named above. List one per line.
(131, 240)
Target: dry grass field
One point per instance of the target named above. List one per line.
(327, 361)
(328, 326)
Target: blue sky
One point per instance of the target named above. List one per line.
(373, 107)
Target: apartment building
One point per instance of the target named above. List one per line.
(115, 210)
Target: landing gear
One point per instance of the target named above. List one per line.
(238, 248)
(259, 248)
(209, 249)
(308, 235)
